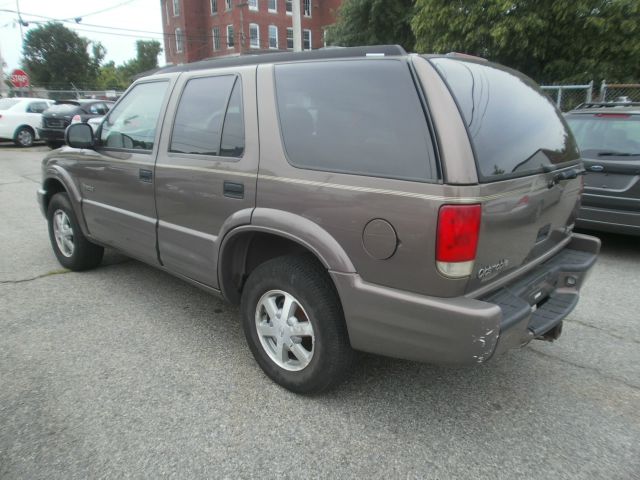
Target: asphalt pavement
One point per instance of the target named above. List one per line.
(126, 371)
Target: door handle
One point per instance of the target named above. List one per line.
(145, 175)
(596, 168)
(233, 190)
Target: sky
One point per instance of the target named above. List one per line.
(138, 16)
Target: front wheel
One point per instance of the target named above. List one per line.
(69, 244)
(24, 137)
(294, 325)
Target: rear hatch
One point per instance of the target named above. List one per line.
(610, 145)
(527, 162)
(59, 116)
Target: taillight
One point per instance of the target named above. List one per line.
(76, 119)
(457, 239)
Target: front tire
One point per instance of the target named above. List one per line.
(294, 324)
(70, 246)
(24, 137)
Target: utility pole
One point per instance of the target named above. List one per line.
(296, 22)
(241, 6)
(20, 21)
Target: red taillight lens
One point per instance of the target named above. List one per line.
(457, 239)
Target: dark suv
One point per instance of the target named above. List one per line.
(414, 206)
(64, 112)
(608, 135)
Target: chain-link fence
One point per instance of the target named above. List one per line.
(620, 92)
(567, 97)
(37, 92)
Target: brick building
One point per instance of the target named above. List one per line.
(197, 29)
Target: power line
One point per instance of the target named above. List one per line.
(103, 10)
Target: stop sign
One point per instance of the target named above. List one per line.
(19, 78)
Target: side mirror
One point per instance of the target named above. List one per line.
(79, 135)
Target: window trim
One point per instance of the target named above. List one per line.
(289, 29)
(176, 12)
(211, 2)
(228, 5)
(437, 177)
(159, 121)
(288, 2)
(310, 39)
(233, 34)
(253, 8)
(257, 27)
(269, 37)
(216, 37)
(272, 10)
(304, 11)
(203, 156)
(179, 46)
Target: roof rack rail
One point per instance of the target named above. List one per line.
(606, 104)
(321, 54)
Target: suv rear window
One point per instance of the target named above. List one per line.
(514, 128)
(607, 132)
(360, 117)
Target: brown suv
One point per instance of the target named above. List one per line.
(419, 207)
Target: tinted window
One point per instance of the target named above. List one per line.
(618, 133)
(514, 127)
(361, 117)
(98, 109)
(198, 124)
(132, 123)
(232, 144)
(64, 109)
(37, 107)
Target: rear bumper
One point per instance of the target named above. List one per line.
(51, 134)
(609, 220)
(465, 330)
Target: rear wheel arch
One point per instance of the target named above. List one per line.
(246, 248)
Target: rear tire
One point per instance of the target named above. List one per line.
(309, 351)
(24, 137)
(71, 247)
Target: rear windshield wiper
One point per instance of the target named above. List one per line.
(618, 154)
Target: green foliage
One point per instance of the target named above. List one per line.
(111, 78)
(146, 58)
(553, 41)
(373, 22)
(56, 56)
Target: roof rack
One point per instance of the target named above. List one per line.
(321, 54)
(606, 104)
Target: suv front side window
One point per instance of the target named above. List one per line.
(132, 123)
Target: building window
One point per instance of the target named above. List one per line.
(273, 5)
(230, 43)
(179, 41)
(216, 38)
(290, 38)
(306, 40)
(307, 8)
(273, 36)
(254, 35)
(214, 7)
(289, 6)
(253, 4)
(166, 10)
(176, 8)
(227, 4)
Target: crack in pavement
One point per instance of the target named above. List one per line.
(604, 330)
(61, 271)
(584, 367)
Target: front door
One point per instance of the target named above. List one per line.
(116, 179)
(206, 170)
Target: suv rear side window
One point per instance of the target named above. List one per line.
(607, 133)
(132, 123)
(360, 117)
(205, 106)
(514, 127)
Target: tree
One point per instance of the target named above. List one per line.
(550, 40)
(373, 22)
(147, 52)
(56, 56)
(111, 78)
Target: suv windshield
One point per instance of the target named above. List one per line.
(607, 134)
(514, 128)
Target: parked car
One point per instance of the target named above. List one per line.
(20, 119)
(608, 135)
(343, 198)
(59, 116)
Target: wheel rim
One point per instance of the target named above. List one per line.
(25, 138)
(63, 233)
(284, 330)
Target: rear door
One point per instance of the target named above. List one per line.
(610, 145)
(206, 171)
(527, 165)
